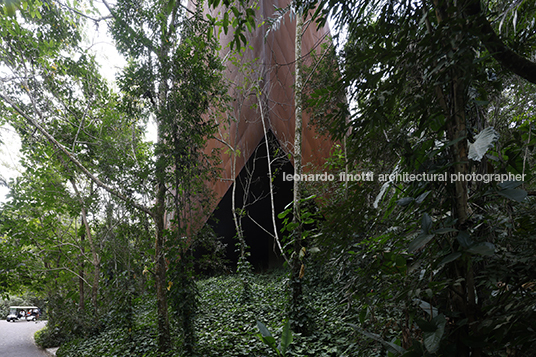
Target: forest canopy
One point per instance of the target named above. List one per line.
(420, 241)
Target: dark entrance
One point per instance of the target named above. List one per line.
(253, 189)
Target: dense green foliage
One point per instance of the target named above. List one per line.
(430, 255)
(439, 266)
(227, 326)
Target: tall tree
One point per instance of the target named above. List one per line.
(419, 76)
(176, 74)
(173, 75)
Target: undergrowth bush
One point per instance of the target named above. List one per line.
(49, 336)
(226, 325)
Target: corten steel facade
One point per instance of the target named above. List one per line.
(275, 65)
(269, 66)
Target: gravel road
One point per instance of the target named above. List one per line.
(16, 339)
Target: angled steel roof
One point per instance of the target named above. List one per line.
(268, 65)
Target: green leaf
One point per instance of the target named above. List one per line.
(445, 230)
(483, 248)
(450, 258)
(483, 142)
(514, 194)
(170, 6)
(391, 347)
(481, 102)
(509, 185)
(263, 330)
(266, 336)
(429, 309)
(464, 239)
(426, 326)
(405, 201)
(422, 196)
(235, 11)
(433, 339)
(286, 337)
(225, 23)
(426, 223)
(420, 241)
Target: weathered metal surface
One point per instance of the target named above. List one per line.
(266, 70)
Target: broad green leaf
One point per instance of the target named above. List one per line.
(483, 248)
(265, 335)
(426, 307)
(464, 239)
(286, 337)
(420, 241)
(269, 340)
(405, 201)
(391, 347)
(509, 185)
(483, 142)
(445, 230)
(450, 258)
(481, 102)
(235, 11)
(426, 326)
(422, 196)
(170, 6)
(225, 23)
(514, 194)
(314, 250)
(284, 213)
(426, 223)
(264, 331)
(433, 339)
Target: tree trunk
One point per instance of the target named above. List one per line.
(272, 202)
(462, 296)
(93, 247)
(164, 339)
(298, 117)
(296, 267)
(81, 300)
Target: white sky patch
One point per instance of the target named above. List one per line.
(9, 157)
(102, 45)
(151, 135)
(98, 42)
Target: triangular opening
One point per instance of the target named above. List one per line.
(253, 189)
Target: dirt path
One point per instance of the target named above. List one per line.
(16, 339)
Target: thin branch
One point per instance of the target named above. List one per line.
(71, 157)
(276, 237)
(95, 20)
(146, 41)
(261, 227)
(70, 271)
(316, 65)
(81, 123)
(497, 48)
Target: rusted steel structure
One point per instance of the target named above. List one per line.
(261, 85)
(270, 68)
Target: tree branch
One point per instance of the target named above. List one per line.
(145, 40)
(95, 20)
(505, 56)
(77, 163)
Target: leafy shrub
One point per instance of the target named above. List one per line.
(113, 342)
(226, 325)
(49, 336)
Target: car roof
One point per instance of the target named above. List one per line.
(23, 307)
